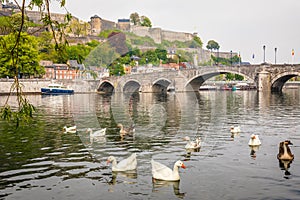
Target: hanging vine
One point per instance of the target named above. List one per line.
(24, 110)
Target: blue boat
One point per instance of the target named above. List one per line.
(55, 88)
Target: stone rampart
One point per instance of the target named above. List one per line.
(176, 36)
(35, 16)
(107, 25)
(158, 35)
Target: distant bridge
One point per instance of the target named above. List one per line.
(266, 77)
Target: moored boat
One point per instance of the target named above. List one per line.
(55, 88)
(208, 87)
(226, 87)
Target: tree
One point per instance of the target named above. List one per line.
(24, 110)
(78, 28)
(116, 69)
(142, 21)
(198, 41)
(78, 52)
(161, 55)
(212, 45)
(28, 64)
(135, 18)
(145, 21)
(5, 25)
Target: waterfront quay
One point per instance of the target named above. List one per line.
(33, 86)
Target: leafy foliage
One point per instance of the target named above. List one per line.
(78, 28)
(142, 21)
(106, 33)
(198, 42)
(135, 18)
(212, 45)
(145, 21)
(78, 52)
(15, 56)
(26, 52)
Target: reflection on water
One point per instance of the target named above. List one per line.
(159, 186)
(128, 177)
(253, 151)
(40, 161)
(285, 165)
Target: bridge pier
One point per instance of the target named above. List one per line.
(264, 81)
(146, 88)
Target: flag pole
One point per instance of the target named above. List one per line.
(293, 53)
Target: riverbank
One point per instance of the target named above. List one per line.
(33, 86)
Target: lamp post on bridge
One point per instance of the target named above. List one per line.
(231, 58)
(275, 54)
(264, 48)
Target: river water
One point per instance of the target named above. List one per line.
(40, 161)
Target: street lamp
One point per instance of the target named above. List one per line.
(264, 48)
(275, 54)
(231, 58)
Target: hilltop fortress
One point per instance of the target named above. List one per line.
(157, 34)
(97, 24)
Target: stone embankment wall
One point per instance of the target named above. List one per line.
(33, 86)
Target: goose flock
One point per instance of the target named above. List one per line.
(164, 173)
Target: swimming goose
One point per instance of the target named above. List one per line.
(192, 144)
(129, 163)
(235, 129)
(285, 151)
(71, 129)
(126, 131)
(162, 172)
(254, 140)
(97, 133)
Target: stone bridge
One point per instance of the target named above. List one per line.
(266, 77)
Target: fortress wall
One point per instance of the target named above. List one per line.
(35, 16)
(154, 33)
(157, 34)
(83, 39)
(123, 26)
(179, 36)
(106, 25)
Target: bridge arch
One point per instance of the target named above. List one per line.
(279, 80)
(196, 81)
(160, 85)
(131, 86)
(106, 87)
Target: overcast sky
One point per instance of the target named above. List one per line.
(239, 25)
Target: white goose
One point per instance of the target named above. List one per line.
(254, 140)
(71, 129)
(97, 133)
(162, 172)
(235, 130)
(192, 144)
(127, 164)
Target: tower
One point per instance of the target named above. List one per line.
(95, 25)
